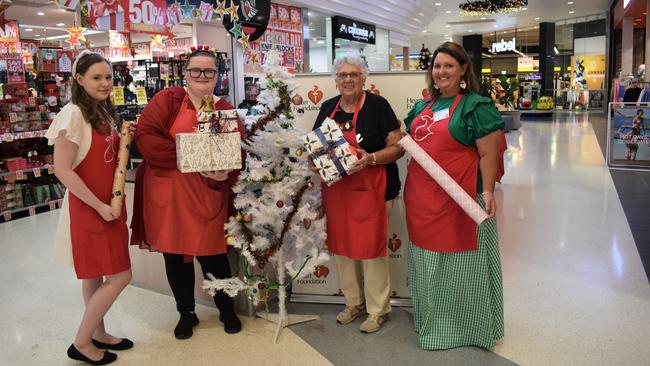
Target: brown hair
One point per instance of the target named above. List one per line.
(94, 113)
(458, 53)
(203, 53)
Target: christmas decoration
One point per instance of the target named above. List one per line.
(238, 217)
(297, 99)
(221, 8)
(187, 9)
(67, 4)
(425, 58)
(75, 36)
(236, 30)
(157, 42)
(4, 4)
(273, 190)
(248, 217)
(298, 152)
(232, 12)
(486, 7)
(206, 10)
(244, 40)
(174, 14)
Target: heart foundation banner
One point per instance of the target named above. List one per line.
(402, 90)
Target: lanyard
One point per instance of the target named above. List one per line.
(356, 111)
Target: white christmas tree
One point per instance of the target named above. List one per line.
(279, 218)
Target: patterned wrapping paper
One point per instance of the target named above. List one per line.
(328, 134)
(203, 152)
(327, 169)
(448, 184)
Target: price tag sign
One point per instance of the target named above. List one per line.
(52, 205)
(147, 16)
(20, 175)
(7, 215)
(118, 95)
(13, 117)
(141, 95)
(50, 169)
(42, 108)
(32, 210)
(37, 172)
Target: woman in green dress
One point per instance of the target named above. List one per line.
(454, 264)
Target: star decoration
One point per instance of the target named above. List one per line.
(236, 29)
(221, 8)
(75, 36)
(244, 40)
(254, 59)
(157, 41)
(187, 10)
(232, 11)
(170, 33)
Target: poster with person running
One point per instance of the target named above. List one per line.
(629, 135)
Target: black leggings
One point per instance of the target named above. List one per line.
(181, 276)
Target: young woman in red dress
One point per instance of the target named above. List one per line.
(179, 214)
(86, 142)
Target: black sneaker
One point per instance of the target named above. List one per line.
(185, 324)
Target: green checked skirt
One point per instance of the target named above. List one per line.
(458, 297)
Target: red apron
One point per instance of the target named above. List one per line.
(356, 207)
(98, 247)
(435, 222)
(184, 215)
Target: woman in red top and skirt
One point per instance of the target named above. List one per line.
(179, 214)
(86, 142)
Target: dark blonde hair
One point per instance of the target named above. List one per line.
(458, 53)
(94, 113)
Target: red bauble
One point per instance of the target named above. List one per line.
(310, 184)
(280, 204)
(260, 285)
(307, 223)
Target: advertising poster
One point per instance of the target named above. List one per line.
(628, 143)
(588, 71)
(284, 34)
(401, 90)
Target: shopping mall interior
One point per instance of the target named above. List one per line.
(567, 78)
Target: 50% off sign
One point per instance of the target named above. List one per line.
(148, 16)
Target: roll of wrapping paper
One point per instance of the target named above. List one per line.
(448, 184)
(117, 194)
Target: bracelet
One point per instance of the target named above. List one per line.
(484, 192)
(374, 159)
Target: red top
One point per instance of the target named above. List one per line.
(176, 212)
(435, 221)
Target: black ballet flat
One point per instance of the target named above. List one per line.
(123, 345)
(74, 354)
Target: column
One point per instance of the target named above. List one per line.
(546, 57)
(473, 45)
(627, 45)
(647, 40)
(405, 60)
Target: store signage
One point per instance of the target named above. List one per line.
(147, 16)
(353, 30)
(253, 15)
(504, 46)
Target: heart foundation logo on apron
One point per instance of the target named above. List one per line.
(394, 243)
(315, 95)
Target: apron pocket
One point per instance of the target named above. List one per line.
(361, 204)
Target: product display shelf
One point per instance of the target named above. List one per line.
(30, 210)
(11, 136)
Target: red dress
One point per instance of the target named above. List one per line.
(99, 248)
(356, 208)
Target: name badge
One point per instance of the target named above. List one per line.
(440, 115)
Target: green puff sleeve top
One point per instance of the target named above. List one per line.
(474, 117)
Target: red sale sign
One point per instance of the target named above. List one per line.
(146, 16)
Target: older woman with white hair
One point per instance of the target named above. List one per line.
(358, 206)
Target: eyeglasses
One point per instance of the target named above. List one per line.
(207, 73)
(345, 75)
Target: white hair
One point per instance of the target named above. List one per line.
(350, 60)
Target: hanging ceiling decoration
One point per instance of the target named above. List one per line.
(486, 7)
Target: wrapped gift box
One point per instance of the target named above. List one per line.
(331, 153)
(203, 152)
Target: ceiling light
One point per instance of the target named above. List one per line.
(437, 4)
(535, 27)
(571, 11)
(447, 26)
(40, 13)
(495, 26)
(446, 35)
(448, 11)
(309, 14)
(60, 24)
(482, 18)
(556, 50)
(537, 18)
(321, 42)
(570, 3)
(38, 35)
(470, 31)
(28, 30)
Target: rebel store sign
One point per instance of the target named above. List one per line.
(353, 30)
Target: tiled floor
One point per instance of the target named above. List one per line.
(575, 289)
